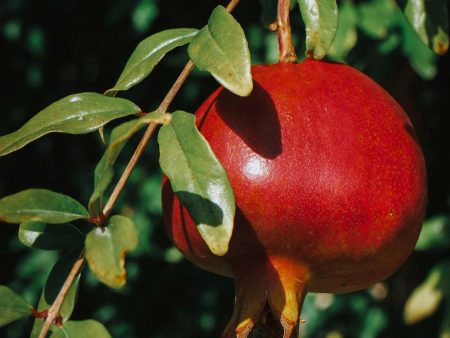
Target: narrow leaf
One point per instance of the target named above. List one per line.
(50, 236)
(42, 206)
(148, 54)
(12, 306)
(425, 299)
(120, 135)
(107, 247)
(198, 179)
(430, 21)
(346, 34)
(53, 285)
(74, 114)
(221, 49)
(80, 329)
(321, 21)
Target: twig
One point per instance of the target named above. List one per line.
(285, 43)
(53, 312)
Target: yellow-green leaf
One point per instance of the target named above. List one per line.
(80, 329)
(40, 205)
(147, 55)
(74, 114)
(221, 49)
(107, 247)
(198, 179)
(321, 22)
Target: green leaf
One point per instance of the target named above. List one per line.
(74, 114)
(12, 306)
(221, 49)
(435, 234)
(55, 281)
(346, 34)
(80, 329)
(50, 236)
(106, 249)
(120, 135)
(425, 299)
(376, 17)
(421, 58)
(430, 21)
(321, 21)
(147, 55)
(41, 206)
(198, 179)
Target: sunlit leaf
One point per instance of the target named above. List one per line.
(147, 55)
(80, 329)
(425, 299)
(40, 205)
(12, 306)
(198, 179)
(321, 21)
(50, 236)
(74, 114)
(120, 135)
(346, 34)
(430, 21)
(107, 247)
(53, 285)
(221, 49)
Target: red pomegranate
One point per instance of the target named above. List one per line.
(329, 182)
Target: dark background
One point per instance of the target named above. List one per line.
(50, 49)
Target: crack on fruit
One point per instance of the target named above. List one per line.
(391, 213)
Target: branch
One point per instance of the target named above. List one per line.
(53, 312)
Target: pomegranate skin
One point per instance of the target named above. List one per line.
(329, 182)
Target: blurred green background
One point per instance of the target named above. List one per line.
(50, 48)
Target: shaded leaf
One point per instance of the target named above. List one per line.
(74, 114)
(50, 236)
(198, 179)
(106, 249)
(80, 329)
(425, 299)
(40, 205)
(120, 135)
(376, 17)
(346, 34)
(430, 21)
(221, 49)
(147, 55)
(12, 306)
(321, 21)
(55, 281)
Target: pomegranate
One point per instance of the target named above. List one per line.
(329, 182)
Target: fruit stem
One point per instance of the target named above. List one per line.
(285, 42)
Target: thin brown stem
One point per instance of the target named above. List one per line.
(53, 311)
(285, 43)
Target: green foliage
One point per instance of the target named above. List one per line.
(147, 55)
(74, 114)
(104, 171)
(106, 249)
(50, 236)
(321, 22)
(430, 21)
(221, 49)
(435, 235)
(40, 205)
(12, 306)
(198, 179)
(81, 329)
(55, 281)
